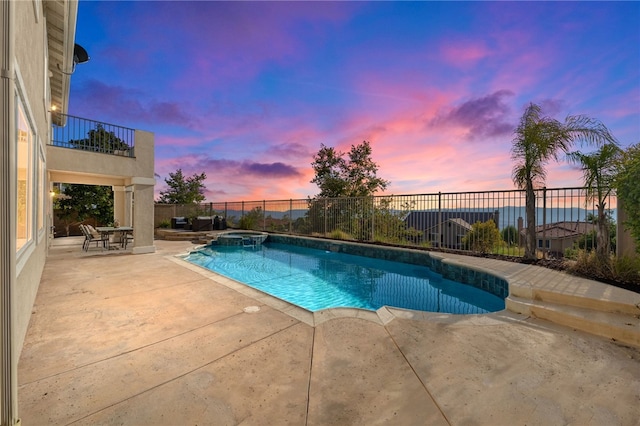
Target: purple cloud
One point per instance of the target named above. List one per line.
(124, 104)
(485, 116)
(277, 170)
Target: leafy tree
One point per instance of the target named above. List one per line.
(252, 219)
(509, 235)
(338, 177)
(77, 203)
(599, 170)
(183, 190)
(628, 190)
(100, 140)
(540, 139)
(390, 226)
(483, 237)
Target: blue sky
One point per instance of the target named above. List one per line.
(248, 91)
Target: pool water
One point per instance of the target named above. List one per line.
(316, 279)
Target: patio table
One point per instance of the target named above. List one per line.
(111, 230)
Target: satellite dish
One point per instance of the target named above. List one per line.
(80, 56)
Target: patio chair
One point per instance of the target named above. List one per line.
(91, 236)
(125, 238)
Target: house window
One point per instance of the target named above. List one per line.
(24, 190)
(546, 244)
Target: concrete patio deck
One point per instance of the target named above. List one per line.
(118, 339)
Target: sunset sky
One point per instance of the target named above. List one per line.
(247, 92)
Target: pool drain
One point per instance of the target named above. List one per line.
(251, 309)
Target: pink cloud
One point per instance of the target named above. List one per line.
(464, 53)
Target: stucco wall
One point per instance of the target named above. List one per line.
(31, 65)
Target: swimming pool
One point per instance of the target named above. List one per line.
(322, 279)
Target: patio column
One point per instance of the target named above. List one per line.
(143, 215)
(128, 203)
(626, 245)
(119, 205)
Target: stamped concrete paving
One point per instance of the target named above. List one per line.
(142, 340)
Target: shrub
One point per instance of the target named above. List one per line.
(338, 234)
(620, 269)
(247, 222)
(588, 264)
(627, 269)
(166, 223)
(483, 237)
(509, 235)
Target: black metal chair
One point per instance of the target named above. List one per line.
(91, 237)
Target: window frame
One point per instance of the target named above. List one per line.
(22, 110)
(41, 194)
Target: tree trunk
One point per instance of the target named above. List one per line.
(602, 235)
(530, 243)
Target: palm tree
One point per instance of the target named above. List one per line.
(538, 140)
(599, 170)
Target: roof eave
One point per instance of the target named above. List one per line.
(61, 31)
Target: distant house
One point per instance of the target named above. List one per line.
(451, 233)
(556, 237)
(447, 228)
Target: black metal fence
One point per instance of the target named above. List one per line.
(485, 221)
(69, 131)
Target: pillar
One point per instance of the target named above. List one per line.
(143, 215)
(625, 244)
(119, 205)
(128, 203)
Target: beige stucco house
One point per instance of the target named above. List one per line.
(557, 237)
(37, 41)
(451, 232)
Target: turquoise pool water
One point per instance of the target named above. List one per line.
(316, 279)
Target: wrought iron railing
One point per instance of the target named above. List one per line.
(69, 131)
(484, 221)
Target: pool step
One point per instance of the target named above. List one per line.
(620, 326)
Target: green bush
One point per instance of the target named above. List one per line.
(164, 224)
(627, 269)
(509, 235)
(628, 192)
(247, 222)
(621, 269)
(483, 237)
(338, 234)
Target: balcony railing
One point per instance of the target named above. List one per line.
(565, 219)
(89, 135)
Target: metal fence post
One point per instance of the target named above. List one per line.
(544, 223)
(439, 243)
(290, 215)
(373, 220)
(325, 217)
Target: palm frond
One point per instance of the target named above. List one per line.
(588, 130)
